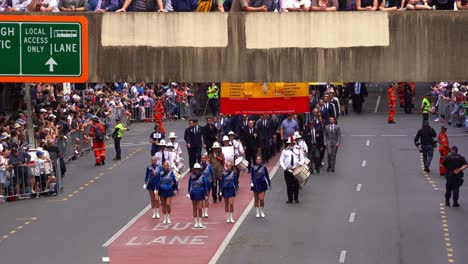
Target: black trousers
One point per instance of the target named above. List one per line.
(213, 106)
(452, 186)
(215, 189)
(118, 150)
(265, 150)
(250, 156)
(194, 155)
(314, 157)
(292, 186)
(425, 117)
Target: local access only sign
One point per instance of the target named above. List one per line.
(43, 49)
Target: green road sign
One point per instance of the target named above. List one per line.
(53, 50)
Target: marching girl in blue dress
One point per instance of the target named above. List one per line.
(151, 181)
(259, 184)
(197, 192)
(167, 186)
(210, 179)
(229, 187)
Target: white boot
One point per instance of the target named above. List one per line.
(157, 213)
(230, 218)
(165, 219)
(196, 222)
(261, 212)
(168, 218)
(154, 213)
(206, 212)
(200, 225)
(258, 212)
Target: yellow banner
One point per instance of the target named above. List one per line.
(264, 90)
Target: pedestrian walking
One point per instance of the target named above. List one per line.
(392, 102)
(290, 159)
(455, 164)
(444, 149)
(151, 181)
(197, 192)
(117, 136)
(212, 93)
(426, 107)
(259, 184)
(155, 138)
(208, 173)
(229, 186)
(167, 186)
(332, 141)
(314, 140)
(358, 96)
(194, 143)
(97, 133)
(426, 134)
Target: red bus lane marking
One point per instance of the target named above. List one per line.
(148, 240)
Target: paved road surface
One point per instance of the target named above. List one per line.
(395, 216)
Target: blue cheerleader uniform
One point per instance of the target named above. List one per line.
(208, 175)
(167, 183)
(229, 184)
(151, 177)
(260, 178)
(197, 187)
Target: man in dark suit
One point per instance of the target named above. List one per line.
(358, 93)
(194, 143)
(250, 142)
(265, 134)
(332, 141)
(210, 134)
(314, 140)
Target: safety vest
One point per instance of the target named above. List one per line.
(213, 92)
(426, 106)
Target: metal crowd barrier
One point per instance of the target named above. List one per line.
(74, 144)
(452, 113)
(32, 180)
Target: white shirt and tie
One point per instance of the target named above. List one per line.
(291, 158)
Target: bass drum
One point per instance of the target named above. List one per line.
(301, 174)
(241, 164)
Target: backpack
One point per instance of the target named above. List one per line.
(98, 134)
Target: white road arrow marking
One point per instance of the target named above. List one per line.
(51, 62)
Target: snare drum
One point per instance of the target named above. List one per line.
(306, 161)
(301, 174)
(241, 164)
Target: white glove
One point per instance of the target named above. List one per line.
(251, 185)
(144, 186)
(156, 192)
(188, 195)
(175, 192)
(220, 194)
(206, 197)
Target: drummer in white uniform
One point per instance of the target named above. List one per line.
(178, 151)
(238, 148)
(302, 145)
(160, 157)
(228, 150)
(170, 156)
(291, 158)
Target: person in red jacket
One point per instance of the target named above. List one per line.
(444, 149)
(98, 134)
(392, 102)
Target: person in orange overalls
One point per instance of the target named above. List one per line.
(99, 146)
(444, 149)
(159, 114)
(401, 93)
(392, 102)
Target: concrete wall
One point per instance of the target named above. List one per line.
(340, 46)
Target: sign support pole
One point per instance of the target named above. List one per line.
(29, 114)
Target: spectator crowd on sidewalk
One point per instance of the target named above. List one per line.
(450, 100)
(73, 6)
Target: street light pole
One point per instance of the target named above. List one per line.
(29, 114)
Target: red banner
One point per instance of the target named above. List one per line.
(266, 98)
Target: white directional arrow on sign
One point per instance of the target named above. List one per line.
(51, 62)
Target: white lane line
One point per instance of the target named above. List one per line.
(394, 135)
(358, 188)
(368, 142)
(105, 259)
(364, 163)
(342, 256)
(236, 226)
(363, 135)
(351, 217)
(140, 214)
(377, 104)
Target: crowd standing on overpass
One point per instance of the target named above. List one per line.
(73, 6)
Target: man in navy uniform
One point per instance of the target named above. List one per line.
(455, 164)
